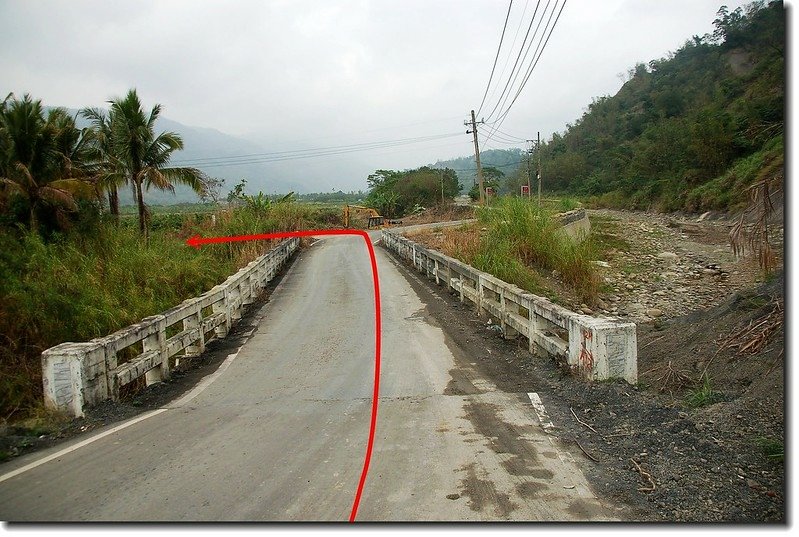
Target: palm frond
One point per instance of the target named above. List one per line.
(191, 177)
(153, 177)
(76, 187)
(755, 237)
(13, 186)
(58, 197)
(154, 114)
(27, 176)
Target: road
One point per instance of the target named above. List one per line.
(280, 431)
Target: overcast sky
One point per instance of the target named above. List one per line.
(293, 73)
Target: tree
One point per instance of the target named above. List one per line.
(42, 160)
(492, 178)
(213, 190)
(393, 193)
(110, 170)
(144, 155)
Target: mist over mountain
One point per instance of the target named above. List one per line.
(211, 150)
(216, 153)
(505, 160)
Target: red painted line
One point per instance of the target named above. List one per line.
(198, 241)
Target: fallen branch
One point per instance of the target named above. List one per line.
(646, 475)
(584, 451)
(653, 341)
(581, 421)
(750, 340)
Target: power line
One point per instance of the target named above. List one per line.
(255, 158)
(533, 65)
(491, 77)
(505, 96)
(497, 134)
(487, 166)
(299, 151)
(516, 63)
(512, 47)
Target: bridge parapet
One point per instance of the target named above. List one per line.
(594, 348)
(79, 375)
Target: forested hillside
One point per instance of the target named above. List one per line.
(686, 132)
(504, 161)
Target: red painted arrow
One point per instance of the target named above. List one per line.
(197, 241)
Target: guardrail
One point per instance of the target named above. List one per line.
(594, 348)
(78, 375)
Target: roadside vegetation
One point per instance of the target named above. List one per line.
(521, 243)
(400, 193)
(73, 264)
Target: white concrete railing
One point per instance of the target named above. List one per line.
(594, 348)
(78, 375)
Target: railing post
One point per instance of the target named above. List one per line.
(600, 349)
(157, 342)
(480, 295)
(507, 331)
(195, 320)
(235, 296)
(73, 376)
(111, 363)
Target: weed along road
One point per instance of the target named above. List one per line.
(280, 431)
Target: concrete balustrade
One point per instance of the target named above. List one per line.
(594, 348)
(79, 375)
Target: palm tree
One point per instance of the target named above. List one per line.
(42, 159)
(110, 171)
(144, 155)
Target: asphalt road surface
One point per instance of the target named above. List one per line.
(280, 431)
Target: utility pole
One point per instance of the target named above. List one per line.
(538, 150)
(529, 169)
(473, 124)
(441, 173)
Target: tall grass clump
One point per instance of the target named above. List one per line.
(521, 234)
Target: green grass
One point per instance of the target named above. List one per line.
(90, 282)
(568, 204)
(606, 234)
(607, 241)
(701, 396)
(727, 192)
(523, 238)
(772, 448)
(630, 269)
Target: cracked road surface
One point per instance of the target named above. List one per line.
(281, 433)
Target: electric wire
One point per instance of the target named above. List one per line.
(533, 65)
(279, 156)
(516, 63)
(511, 49)
(504, 97)
(493, 67)
(534, 62)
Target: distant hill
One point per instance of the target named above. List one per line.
(202, 143)
(505, 160)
